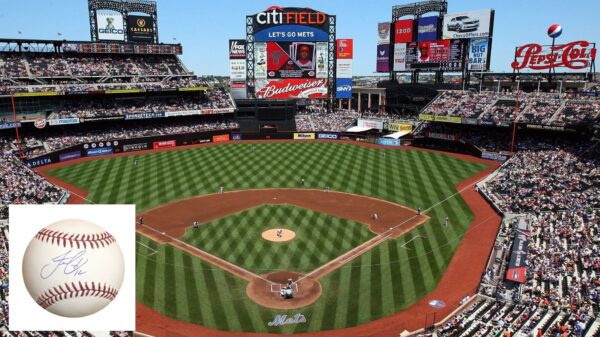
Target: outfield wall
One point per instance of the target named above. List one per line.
(109, 146)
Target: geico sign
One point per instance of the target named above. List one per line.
(277, 16)
(327, 136)
(344, 88)
(110, 31)
(574, 55)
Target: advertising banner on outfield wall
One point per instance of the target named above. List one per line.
(399, 57)
(237, 49)
(478, 53)
(69, 155)
(383, 33)
(444, 136)
(9, 125)
(260, 60)
(162, 144)
(467, 24)
(427, 28)
(236, 136)
(328, 135)
(343, 68)
(368, 123)
(110, 26)
(135, 147)
(144, 115)
(304, 135)
(397, 127)
(403, 30)
(101, 151)
(237, 89)
(39, 161)
(493, 156)
(343, 88)
(220, 138)
(237, 70)
(140, 28)
(63, 121)
(383, 58)
(344, 49)
(388, 142)
(292, 88)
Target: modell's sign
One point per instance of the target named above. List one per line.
(574, 55)
(293, 88)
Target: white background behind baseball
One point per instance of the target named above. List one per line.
(25, 222)
(67, 258)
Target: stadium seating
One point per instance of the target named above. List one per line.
(499, 107)
(71, 72)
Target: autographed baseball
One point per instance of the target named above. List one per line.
(73, 268)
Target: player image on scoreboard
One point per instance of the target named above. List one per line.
(304, 58)
(423, 52)
(291, 59)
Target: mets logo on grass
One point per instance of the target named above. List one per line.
(287, 320)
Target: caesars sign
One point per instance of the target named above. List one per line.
(110, 26)
(140, 28)
(575, 55)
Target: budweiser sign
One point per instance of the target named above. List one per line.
(294, 88)
(574, 55)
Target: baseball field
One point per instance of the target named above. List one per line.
(388, 277)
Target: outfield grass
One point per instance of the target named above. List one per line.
(319, 238)
(385, 280)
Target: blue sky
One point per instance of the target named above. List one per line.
(204, 27)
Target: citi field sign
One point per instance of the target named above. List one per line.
(290, 24)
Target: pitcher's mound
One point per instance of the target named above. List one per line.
(266, 291)
(278, 235)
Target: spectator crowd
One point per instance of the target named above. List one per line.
(499, 108)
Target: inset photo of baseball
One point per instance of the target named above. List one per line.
(71, 267)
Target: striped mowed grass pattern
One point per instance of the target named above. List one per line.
(319, 238)
(387, 279)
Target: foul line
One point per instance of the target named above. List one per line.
(382, 236)
(233, 266)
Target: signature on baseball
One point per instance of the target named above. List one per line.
(68, 264)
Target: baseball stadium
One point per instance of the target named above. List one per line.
(438, 198)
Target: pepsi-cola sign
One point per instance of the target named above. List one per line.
(575, 55)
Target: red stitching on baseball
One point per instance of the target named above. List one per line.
(50, 297)
(73, 240)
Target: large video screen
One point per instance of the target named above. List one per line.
(297, 59)
(291, 58)
(445, 55)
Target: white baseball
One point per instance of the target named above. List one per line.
(73, 268)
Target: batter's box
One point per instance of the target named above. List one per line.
(72, 267)
(276, 287)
